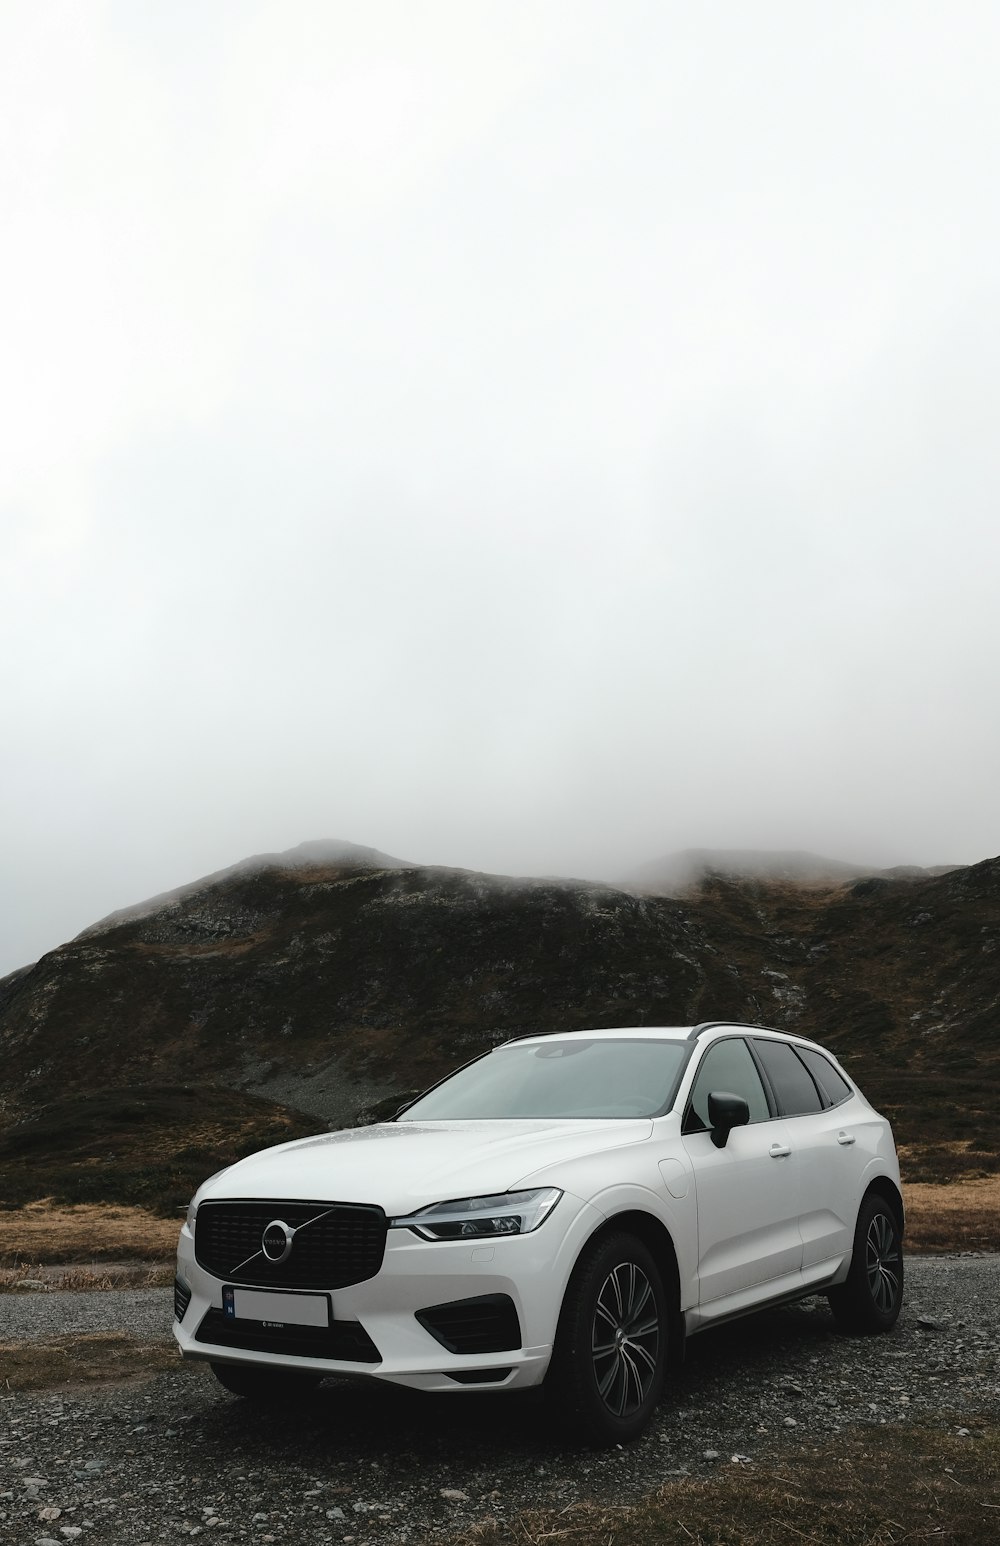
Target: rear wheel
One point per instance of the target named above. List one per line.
(259, 1384)
(871, 1297)
(610, 1357)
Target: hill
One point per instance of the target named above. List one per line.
(330, 980)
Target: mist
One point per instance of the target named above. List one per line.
(530, 437)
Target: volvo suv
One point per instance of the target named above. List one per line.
(566, 1209)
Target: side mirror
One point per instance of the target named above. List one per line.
(726, 1112)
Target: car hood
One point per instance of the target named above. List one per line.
(406, 1165)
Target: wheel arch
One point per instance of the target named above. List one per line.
(887, 1188)
(657, 1239)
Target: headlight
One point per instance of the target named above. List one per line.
(482, 1218)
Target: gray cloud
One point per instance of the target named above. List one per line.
(535, 437)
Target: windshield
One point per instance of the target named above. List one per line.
(598, 1078)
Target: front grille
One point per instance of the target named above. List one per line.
(486, 1324)
(182, 1298)
(344, 1245)
(344, 1341)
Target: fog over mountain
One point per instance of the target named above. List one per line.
(677, 873)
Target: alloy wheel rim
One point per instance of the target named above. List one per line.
(883, 1262)
(626, 1339)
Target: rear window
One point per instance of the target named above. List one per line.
(833, 1085)
(791, 1082)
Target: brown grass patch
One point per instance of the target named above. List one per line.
(83, 1359)
(961, 1160)
(962, 1216)
(44, 1276)
(87, 1232)
(873, 1487)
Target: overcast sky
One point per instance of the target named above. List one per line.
(532, 436)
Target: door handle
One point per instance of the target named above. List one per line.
(779, 1150)
(846, 1138)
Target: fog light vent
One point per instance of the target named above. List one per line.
(182, 1298)
(486, 1324)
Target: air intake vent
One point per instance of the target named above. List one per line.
(182, 1298)
(478, 1376)
(333, 1244)
(487, 1324)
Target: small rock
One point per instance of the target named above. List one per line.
(710, 1454)
(453, 1495)
(928, 1323)
(71, 1532)
(46, 1540)
(790, 1422)
(47, 1515)
(335, 1513)
(963, 1433)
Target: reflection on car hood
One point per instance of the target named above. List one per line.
(405, 1165)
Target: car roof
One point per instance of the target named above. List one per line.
(707, 1029)
(624, 1032)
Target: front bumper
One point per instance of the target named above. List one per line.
(530, 1270)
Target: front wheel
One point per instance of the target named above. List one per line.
(871, 1297)
(610, 1357)
(264, 1384)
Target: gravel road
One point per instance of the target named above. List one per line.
(176, 1457)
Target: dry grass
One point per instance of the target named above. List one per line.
(963, 1159)
(34, 1276)
(83, 1359)
(960, 1216)
(874, 1487)
(87, 1233)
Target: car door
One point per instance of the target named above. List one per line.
(747, 1192)
(823, 1123)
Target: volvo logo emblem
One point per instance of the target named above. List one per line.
(276, 1241)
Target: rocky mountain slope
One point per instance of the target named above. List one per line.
(331, 979)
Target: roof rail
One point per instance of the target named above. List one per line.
(742, 1025)
(745, 1025)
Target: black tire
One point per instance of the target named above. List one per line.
(870, 1299)
(610, 1357)
(268, 1385)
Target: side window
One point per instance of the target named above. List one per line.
(728, 1066)
(833, 1086)
(790, 1080)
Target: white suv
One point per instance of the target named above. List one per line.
(566, 1208)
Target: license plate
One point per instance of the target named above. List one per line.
(275, 1309)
